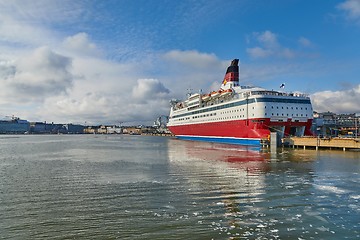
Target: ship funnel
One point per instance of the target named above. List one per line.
(232, 73)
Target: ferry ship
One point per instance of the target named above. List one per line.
(238, 114)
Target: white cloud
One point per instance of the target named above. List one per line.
(110, 107)
(110, 92)
(15, 32)
(346, 101)
(44, 11)
(192, 70)
(268, 39)
(35, 76)
(258, 52)
(287, 53)
(305, 42)
(28, 23)
(107, 92)
(351, 8)
(269, 46)
(149, 89)
(71, 81)
(95, 108)
(80, 44)
(191, 58)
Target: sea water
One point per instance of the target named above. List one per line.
(147, 187)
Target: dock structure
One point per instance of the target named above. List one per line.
(329, 143)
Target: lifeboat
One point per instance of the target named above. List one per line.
(205, 97)
(226, 92)
(215, 94)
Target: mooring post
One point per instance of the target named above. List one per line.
(317, 142)
(273, 141)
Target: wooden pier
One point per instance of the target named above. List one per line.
(329, 143)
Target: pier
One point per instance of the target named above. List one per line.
(323, 143)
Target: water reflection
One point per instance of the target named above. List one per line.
(242, 192)
(226, 179)
(145, 187)
(182, 152)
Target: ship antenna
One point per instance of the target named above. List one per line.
(189, 92)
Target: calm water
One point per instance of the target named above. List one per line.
(139, 187)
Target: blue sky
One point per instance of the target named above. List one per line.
(123, 60)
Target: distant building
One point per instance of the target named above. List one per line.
(113, 130)
(14, 125)
(47, 128)
(102, 129)
(90, 130)
(332, 125)
(38, 127)
(74, 128)
(132, 130)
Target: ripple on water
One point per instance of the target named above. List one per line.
(178, 190)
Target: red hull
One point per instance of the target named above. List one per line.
(254, 128)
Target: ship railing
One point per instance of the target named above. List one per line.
(274, 93)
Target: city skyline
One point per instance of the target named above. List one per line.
(122, 61)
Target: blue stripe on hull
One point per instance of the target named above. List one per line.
(239, 141)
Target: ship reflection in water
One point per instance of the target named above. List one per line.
(195, 153)
(244, 193)
(227, 180)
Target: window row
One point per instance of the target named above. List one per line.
(272, 107)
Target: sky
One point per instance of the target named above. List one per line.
(121, 61)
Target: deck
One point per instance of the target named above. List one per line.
(329, 143)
